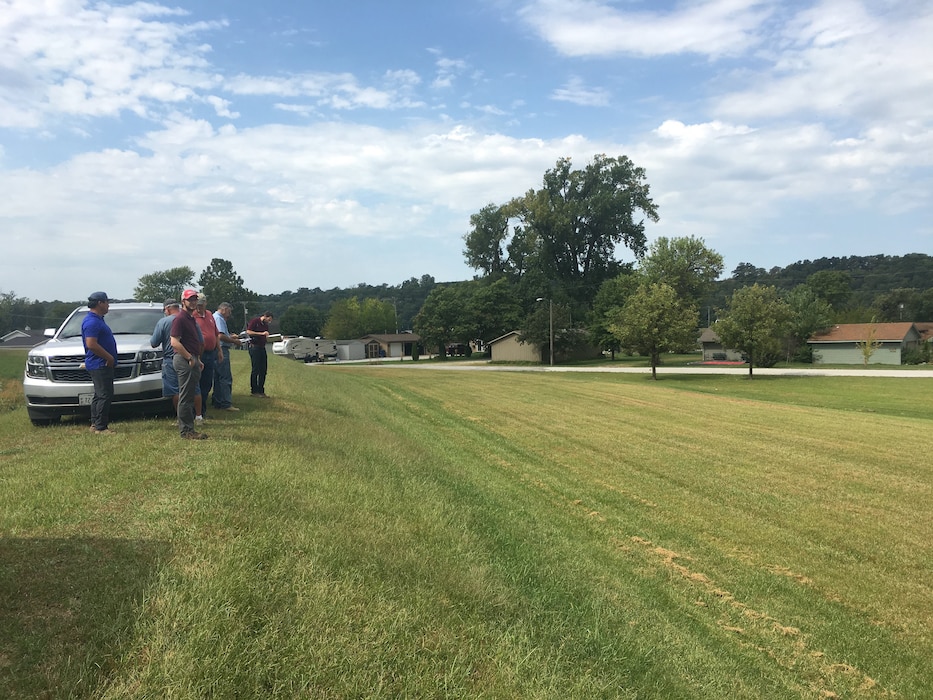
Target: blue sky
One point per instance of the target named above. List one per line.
(329, 144)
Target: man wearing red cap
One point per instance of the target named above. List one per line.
(188, 346)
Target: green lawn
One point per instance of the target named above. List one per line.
(383, 531)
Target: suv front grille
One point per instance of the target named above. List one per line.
(65, 359)
(82, 375)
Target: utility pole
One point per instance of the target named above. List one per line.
(550, 314)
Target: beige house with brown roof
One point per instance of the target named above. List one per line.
(389, 344)
(840, 344)
(509, 348)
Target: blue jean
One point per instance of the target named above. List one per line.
(209, 358)
(103, 397)
(223, 382)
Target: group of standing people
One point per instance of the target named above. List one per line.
(196, 346)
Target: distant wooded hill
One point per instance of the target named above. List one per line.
(858, 286)
(886, 287)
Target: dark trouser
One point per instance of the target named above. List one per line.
(257, 375)
(223, 382)
(188, 377)
(209, 359)
(103, 397)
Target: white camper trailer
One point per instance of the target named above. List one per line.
(306, 349)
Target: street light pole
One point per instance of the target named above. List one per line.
(550, 316)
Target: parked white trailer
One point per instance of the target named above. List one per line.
(306, 349)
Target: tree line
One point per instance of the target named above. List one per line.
(548, 262)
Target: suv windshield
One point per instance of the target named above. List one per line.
(121, 321)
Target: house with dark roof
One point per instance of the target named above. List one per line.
(713, 350)
(841, 344)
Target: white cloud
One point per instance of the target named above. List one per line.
(598, 28)
(339, 91)
(448, 70)
(273, 191)
(576, 92)
(72, 58)
(836, 60)
(832, 112)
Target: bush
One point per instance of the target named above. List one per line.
(767, 358)
(803, 354)
(917, 356)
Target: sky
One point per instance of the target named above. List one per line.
(333, 144)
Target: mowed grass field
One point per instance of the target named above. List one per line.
(392, 531)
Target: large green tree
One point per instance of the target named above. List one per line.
(835, 286)
(753, 323)
(445, 318)
(164, 284)
(809, 313)
(485, 244)
(551, 318)
(900, 305)
(566, 233)
(220, 282)
(685, 264)
(344, 319)
(611, 297)
(654, 320)
(378, 316)
(494, 309)
(302, 319)
(353, 318)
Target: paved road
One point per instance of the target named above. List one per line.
(759, 371)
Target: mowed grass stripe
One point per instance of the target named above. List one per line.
(778, 490)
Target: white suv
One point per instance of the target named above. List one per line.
(56, 382)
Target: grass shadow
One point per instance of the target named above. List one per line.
(68, 607)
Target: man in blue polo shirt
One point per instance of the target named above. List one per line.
(100, 358)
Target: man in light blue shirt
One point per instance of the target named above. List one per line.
(223, 375)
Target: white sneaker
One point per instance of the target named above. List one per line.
(199, 419)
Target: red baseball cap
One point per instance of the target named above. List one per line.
(188, 294)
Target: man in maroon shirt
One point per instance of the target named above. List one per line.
(188, 346)
(258, 332)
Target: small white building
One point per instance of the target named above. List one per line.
(351, 350)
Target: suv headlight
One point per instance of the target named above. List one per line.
(37, 367)
(150, 361)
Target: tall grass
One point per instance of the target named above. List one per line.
(387, 532)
